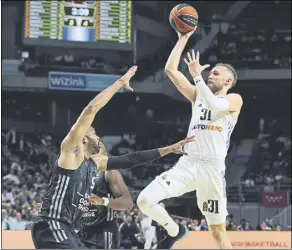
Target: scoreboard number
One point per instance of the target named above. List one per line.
(87, 23)
(70, 22)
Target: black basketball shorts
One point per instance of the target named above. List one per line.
(101, 237)
(55, 235)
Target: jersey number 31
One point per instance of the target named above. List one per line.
(206, 115)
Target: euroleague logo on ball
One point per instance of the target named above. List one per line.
(183, 18)
(190, 19)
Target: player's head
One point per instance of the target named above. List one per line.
(91, 142)
(222, 76)
(129, 219)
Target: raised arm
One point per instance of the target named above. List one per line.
(171, 69)
(86, 118)
(231, 102)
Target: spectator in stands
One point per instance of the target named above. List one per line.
(265, 227)
(279, 178)
(129, 231)
(12, 177)
(241, 227)
(148, 231)
(278, 227)
(249, 182)
(247, 227)
(17, 223)
(11, 139)
(269, 188)
(7, 196)
(195, 225)
(4, 220)
(16, 165)
(203, 225)
(184, 223)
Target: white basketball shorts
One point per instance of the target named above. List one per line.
(206, 176)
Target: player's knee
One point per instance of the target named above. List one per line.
(147, 197)
(218, 231)
(144, 200)
(151, 195)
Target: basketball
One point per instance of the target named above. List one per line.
(183, 18)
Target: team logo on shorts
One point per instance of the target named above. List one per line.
(205, 206)
(163, 177)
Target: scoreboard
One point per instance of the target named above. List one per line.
(92, 24)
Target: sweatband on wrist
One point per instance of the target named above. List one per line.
(105, 201)
(214, 102)
(133, 159)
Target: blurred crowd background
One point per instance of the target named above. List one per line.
(255, 37)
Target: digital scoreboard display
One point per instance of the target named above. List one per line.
(79, 24)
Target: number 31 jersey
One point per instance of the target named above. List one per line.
(212, 130)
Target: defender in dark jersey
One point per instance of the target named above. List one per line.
(74, 174)
(99, 228)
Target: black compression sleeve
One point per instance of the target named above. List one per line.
(132, 159)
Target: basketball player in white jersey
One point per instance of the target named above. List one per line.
(214, 115)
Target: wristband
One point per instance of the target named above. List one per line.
(105, 201)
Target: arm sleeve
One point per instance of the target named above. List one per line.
(220, 104)
(133, 159)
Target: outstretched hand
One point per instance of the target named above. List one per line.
(195, 68)
(127, 77)
(178, 148)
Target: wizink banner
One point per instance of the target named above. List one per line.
(80, 81)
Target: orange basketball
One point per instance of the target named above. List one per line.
(183, 18)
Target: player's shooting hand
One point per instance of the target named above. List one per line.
(95, 200)
(125, 79)
(195, 68)
(178, 148)
(186, 35)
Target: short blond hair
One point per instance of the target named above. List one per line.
(231, 70)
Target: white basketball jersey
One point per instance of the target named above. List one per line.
(212, 130)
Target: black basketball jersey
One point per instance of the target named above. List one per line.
(67, 195)
(98, 215)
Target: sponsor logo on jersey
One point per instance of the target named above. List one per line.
(208, 127)
(83, 202)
